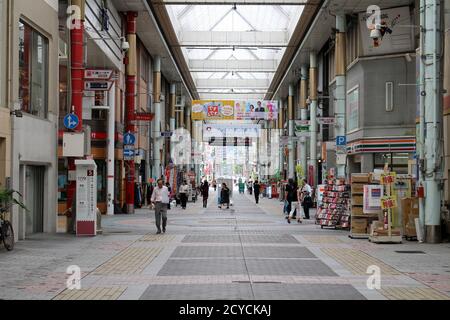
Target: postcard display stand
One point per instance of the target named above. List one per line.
(334, 208)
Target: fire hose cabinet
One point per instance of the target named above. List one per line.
(86, 198)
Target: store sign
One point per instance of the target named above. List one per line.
(97, 85)
(144, 116)
(326, 120)
(86, 199)
(97, 74)
(389, 203)
(388, 178)
(234, 110)
(256, 110)
(226, 131)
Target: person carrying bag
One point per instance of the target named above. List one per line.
(307, 202)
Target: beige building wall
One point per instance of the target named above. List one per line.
(5, 128)
(34, 142)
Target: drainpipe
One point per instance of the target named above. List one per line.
(131, 76)
(291, 132)
(304, 116)
(157, 100)
(77, 83)
(431, 66)
(313, 125)
(340, 89)
(111, 148)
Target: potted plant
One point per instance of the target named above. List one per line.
(7, 198)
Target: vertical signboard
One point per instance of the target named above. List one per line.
(86, 198)
(353, 109)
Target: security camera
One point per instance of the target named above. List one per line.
(125, 45)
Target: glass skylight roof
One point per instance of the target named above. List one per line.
(222, 32)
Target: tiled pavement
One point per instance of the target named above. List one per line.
(247, 252)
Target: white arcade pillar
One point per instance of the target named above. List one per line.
(291, 166)
(157, 131)
(313, 125)
(304, 116)
(340, 131)
(431, 164)
(111, 148)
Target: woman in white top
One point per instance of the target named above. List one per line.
(306, 201)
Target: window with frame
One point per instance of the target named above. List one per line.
(33, 71)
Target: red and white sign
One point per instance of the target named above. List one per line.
(97, 74)
(144, 116)
(213, 111)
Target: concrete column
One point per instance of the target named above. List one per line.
(172, 99)
(313, 127)
(341, 94)
(447, 104)
(304, 116)
(432, 86)
(111, 148)
(291, 165)
(157, 170)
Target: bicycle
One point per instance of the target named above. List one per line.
(6, 231)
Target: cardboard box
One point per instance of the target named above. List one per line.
(361, 178)
(357, 188)
(359, 226)
(357, 200)
(395, 232)
(357, 210)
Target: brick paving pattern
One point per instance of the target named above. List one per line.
(248, 252)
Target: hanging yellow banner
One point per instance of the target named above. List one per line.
(212, 110)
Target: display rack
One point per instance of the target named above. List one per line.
(333, 211)
(360, 221)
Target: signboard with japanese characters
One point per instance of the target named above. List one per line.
(86, 198)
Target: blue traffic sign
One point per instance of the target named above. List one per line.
(129, 139)
(341, 141)
(128, 153)
(71, 121)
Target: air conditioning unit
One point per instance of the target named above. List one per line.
(63, 50)
(180, 101)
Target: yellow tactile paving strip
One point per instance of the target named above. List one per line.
(357, 261)
(157, 238)
(392, 293)
(323, 239)
(113, 293)
(129, 261)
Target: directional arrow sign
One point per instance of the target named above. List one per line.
(71, 121)
(128, 154)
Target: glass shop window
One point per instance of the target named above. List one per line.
(33, 71)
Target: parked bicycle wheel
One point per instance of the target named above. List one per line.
(8, 235)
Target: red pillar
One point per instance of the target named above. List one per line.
(131, 77)
(77, 79)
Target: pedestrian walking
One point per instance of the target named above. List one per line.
(256, 190)
(214, 185)
(184, 189)
(150, 189)
(250, 187)
(205, 193)
(290, 196)
(306, 193)
(160, 200)
(225, 196)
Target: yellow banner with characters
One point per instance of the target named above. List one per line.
(212, 110)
